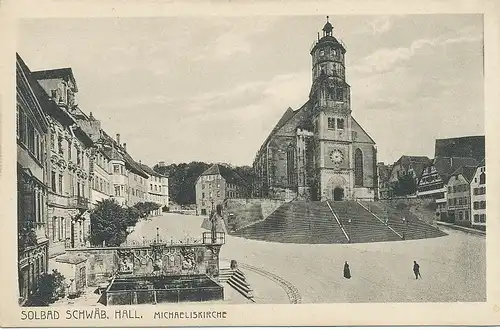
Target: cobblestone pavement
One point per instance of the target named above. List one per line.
(453, 267)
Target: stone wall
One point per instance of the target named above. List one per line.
(103, 263)
(239, 213)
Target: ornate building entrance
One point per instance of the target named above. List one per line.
(338, 194)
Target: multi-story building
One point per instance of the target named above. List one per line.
(449, 155)
(478, 197)
(432, 184)
(68, 168)
(215, 185)
(31, 131)
(319, 151)
(459, 196)
(383, 175)
(157, 189)
(128, 179)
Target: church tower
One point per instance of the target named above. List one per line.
(331, 118)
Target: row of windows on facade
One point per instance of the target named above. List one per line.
(479, 191)
(28, 136)
(464, 201)
(338, 121)
(480, 218)
(458, 188)
(330, 69)
(57, 145)
(102, 162)
(458, 201)
(481, 205)
(209, 185)
(101, 185)
(57, 185)
(59, 230)
(429, 178)
(330, 51)
(430, 187)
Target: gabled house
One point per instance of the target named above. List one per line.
(459, 196)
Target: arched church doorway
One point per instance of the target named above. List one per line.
(338, 194)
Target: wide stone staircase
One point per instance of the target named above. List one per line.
(404, 222)
(308, 222)
(361, 225)
(297, 222)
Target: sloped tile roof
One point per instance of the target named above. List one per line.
(445, 166)
(65, 73)
(228, 174)
(465, 146)
(467, 172)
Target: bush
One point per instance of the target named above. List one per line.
(51, 287)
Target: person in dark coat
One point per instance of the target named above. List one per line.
(416, 270)
(347, 271)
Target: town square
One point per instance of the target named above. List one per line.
(253, 161)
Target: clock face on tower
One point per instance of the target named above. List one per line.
(337, 156)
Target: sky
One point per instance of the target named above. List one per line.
(211, 89)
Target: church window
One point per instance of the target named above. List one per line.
(340, 94)
(340, 123)
(331, 123)
(290, 165)
(330, 94)
(358, 167)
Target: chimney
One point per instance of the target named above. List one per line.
(125, 146)
(118, 139)
(161, 164)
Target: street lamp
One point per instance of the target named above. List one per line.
(349, 229)
(157, 235)
(214, 229)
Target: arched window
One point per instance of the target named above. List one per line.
(482, 178)
(358, 167)
(290, 165)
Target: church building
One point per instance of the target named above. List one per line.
(319, 151)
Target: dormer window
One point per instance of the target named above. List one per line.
(53, 93)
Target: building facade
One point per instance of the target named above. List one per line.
(68, 166)
(319, 151)
(449, 155)
(31, 132)
(157, 188)
(215, 185)
(459, 196)
(478, 197)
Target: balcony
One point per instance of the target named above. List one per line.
(79, 202)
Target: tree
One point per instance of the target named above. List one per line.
(405, 185)
(109, 222)
(144, 208)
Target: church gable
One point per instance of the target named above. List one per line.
(289, 128)
(359, 134)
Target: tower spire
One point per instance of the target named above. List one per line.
(328, 28)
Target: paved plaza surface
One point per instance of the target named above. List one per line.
(453, 267)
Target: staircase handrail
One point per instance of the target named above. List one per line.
(376, 216)
(338, 221)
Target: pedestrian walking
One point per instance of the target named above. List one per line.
(416, 270)
(347, 271)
